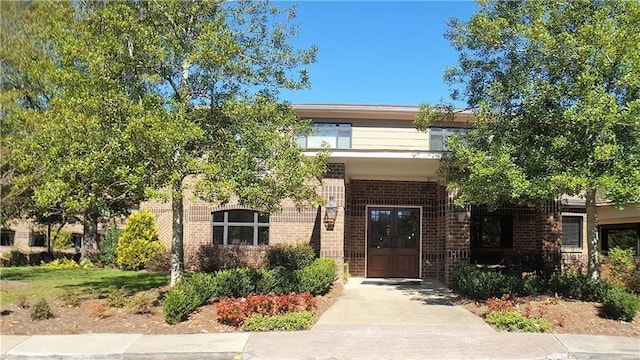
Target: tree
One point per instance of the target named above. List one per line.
(556, 91)
(76, 140)
(171, 95)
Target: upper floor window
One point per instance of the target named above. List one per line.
(7, 237)
(333, 135)
(240, 227)
(572, 231)
(438, 137)
(38, 239)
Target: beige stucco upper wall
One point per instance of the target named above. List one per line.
(608, 214)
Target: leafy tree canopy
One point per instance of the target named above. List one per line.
(555, 86)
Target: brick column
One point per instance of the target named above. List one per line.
(551, 229)
(332, 234)
(457, 239)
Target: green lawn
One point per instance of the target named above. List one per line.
(36, 282)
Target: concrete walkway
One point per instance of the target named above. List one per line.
(374, 319)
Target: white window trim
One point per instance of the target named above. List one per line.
(225, 226)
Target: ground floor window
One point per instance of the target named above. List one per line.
(572, 231)
(76, 240)
(624, 236)
(38, 239)
(7, 237)
(240, 227)
(491, 231)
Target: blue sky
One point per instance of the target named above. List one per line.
(377, 52)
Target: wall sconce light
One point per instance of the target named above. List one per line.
(331, 212)
(461, 212)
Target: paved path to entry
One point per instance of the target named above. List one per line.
(392, 319)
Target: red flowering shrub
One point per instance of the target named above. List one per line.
(233, 311)
(502, 304)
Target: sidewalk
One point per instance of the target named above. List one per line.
(374, 319)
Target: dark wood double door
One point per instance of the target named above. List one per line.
(393, 242)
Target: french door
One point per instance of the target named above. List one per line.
(393, 242)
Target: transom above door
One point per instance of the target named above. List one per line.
(393, 242)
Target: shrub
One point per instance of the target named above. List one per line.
(620, 304)
(99, 310)
(533, 285)
(578, 286)
(234, 311)
(479, 285)
(62, 241)
(318, 277)
(186, 296)
(140, 304)
(117, 297)
(208, 258)
(139, 243)
(513, 320)
(290, 257)
(61, 264)
(108, 245)
(70, 298)
(501, 304)
(160, 264)
(238, 282)
(41, 310)
(294, 321)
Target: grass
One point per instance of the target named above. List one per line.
(37, 282)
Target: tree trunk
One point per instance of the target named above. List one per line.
(90, 249)
(592, 234)
(177, 245)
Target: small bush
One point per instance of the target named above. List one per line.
(99, 310)
(318, 277)
(234, 311)
(294, 321)
(117, 297)
(238, 282)
(160, 264)
(620, 304)
(61, 264)
(140, 304)
(502, 304)
(578, 286)
(290, 257)
(513, 320)
(70, 298)
(533, 285)
(479, 285)
(85, 264)
(139, 243)
(187, 296)
(41, 310)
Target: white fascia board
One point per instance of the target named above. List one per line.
(435, 155)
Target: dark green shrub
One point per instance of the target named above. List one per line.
(620, 304)
(292, 321)
(291, 257)
(578, 286)
(238, 282)
(318, 277)
(41, 310)
(533, 285)
(479, 285)
(268, 282)
(513, 320)
(187, 296)
(178, 303)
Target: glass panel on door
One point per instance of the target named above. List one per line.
(380, 229)
(407, 228)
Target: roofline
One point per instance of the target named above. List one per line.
(357, 111)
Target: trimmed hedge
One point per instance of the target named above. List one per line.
(318, 277)
(290, 257)
(293, 321)
(187, 296)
